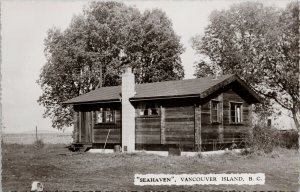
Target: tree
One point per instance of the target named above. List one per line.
(95, 47)
(203, 69)
(259, 43)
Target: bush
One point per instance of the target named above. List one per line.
(263, 139)
(39, 143)
(289, 139)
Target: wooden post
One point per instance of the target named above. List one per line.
(93, 125)
(76, 127)
(87, 126)
(250, 131)
(162, 125)
(198, 140)
(221, 125)
(79, 126)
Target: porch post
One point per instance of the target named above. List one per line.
(221, 126)
(162, 125)
(198, 140)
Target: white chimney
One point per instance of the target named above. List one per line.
(128, 111)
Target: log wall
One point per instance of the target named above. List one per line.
(225, 131)
(148, 130)
(180, 125)
(76, 127)
(174, 126)
(86, 127)
(209, 132)
(235, 132)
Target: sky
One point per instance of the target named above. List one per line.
(24, 28)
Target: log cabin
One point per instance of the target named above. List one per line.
(192, 115)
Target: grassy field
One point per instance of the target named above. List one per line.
(59, 169)
(29, 138)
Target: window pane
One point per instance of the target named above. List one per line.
(99, 117)
(146, 111)
(214, 114)
(141, 112)
(104, 115)
(154, 111)
(150, 109)
(215, 111)
(109, 115)
(238, 114)
(214, 105)
(232, 112)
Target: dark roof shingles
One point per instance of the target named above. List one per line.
(153, 90)
(101, 94)
(177, 88)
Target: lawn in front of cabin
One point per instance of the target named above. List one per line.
(59, 169)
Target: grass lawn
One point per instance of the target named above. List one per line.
(59, 169)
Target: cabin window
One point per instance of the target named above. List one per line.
(236, 112)
(215, 111)
(151, 109)
(105, 115)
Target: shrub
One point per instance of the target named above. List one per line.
(289, 139)
(262, 139)
(39, 143)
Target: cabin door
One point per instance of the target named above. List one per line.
(86, 127)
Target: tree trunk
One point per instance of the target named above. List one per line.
(296, 117)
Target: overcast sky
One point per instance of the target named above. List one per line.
(24, 27)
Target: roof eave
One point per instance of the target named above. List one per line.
(164, 97)
(253, 93)
(92, 102)
(216, 87)
(257, 98)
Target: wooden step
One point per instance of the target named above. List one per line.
(79, 147)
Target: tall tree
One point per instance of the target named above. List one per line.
(259, 43)
(92, 51)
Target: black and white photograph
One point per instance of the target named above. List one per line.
(150, 95)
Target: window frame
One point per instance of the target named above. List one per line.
(143, 107)
(218, 121)
(104, 116)
(236, 103)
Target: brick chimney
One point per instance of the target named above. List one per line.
(128, 111)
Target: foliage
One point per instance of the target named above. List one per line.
(261, 45)
(289, 139)
(95, 47)
(263, 139)
(39, 143)
(202, 69)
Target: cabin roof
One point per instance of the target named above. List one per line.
(200, 87)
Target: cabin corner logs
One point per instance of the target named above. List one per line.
(159, 125)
